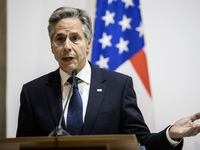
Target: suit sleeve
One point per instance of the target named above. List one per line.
(133, 123)
(26, 123)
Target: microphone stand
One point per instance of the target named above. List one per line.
(59, 131)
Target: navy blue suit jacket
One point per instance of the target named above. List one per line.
(112, 111)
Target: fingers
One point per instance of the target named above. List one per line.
(194, 132)
(195, 117)
(195, 129)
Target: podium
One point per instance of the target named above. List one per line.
(82, 142)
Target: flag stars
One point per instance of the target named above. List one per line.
(140, 30)
(103, 62)
(116, 28)
(122, 45)
(128, 3)
(110, 1)
(105, 40)
(108, 18)
(125, 23)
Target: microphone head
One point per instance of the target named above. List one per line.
(74, 72)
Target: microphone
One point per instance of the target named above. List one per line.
(59, 131)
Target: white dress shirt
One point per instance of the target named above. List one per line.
(83, 86)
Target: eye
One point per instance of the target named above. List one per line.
(75, 38)
(60, 40)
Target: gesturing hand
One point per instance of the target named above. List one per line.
(185, 127)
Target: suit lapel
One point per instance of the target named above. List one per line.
(96, 96)
(54, 97)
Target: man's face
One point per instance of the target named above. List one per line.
(69, 45)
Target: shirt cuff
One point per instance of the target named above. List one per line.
(171, 141)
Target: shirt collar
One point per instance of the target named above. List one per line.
(84, 74)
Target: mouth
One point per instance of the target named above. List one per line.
(67, 59)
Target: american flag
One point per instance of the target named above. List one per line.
(119, 38)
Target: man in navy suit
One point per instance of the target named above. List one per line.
(108, 98)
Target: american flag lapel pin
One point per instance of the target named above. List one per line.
(99, 90)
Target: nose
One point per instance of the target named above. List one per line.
(67, 45)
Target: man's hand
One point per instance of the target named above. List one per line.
(185, 127)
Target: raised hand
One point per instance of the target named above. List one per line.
(185, 127)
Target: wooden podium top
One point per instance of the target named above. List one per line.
(92, 142)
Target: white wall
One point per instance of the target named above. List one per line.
(172, 37)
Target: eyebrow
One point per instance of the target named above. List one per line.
(72, 33)
(59, 34)
(75, 33)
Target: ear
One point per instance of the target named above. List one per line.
(52, 48)
(89, 45)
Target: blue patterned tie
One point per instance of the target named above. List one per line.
(75, 110)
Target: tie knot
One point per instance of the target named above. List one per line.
(70, 80)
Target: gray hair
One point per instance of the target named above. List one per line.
(69, 12)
